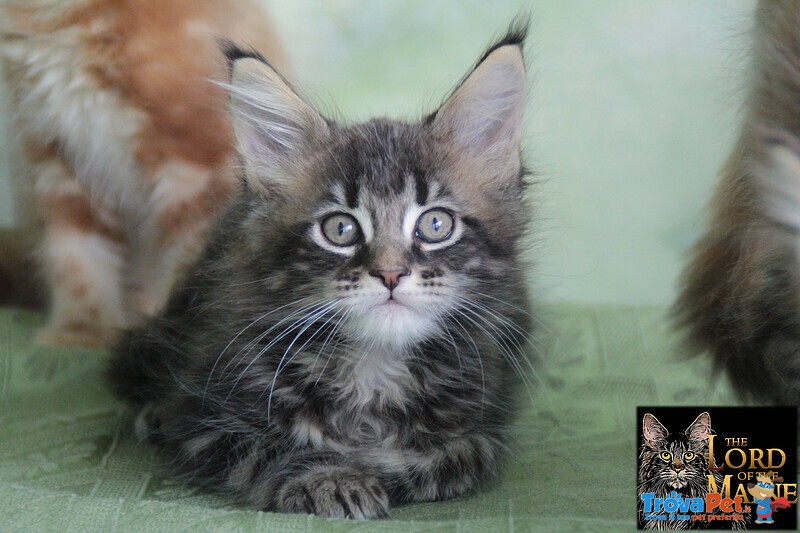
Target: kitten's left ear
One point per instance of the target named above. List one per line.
(700, 429)
(275, 129)
(482, 119)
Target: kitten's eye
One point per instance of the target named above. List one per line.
(688, 456)
(435, 225)
(666, 456)
(341, 229)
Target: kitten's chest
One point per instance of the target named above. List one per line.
(373, 381)
(365, 403)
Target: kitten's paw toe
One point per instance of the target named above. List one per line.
(336, 492)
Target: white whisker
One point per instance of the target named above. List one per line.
(309, 321)
(240, 333)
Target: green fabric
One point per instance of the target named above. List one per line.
(69, 460)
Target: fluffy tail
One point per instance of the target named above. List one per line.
(19, 286)
(740, 293)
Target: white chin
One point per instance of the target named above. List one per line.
(390, 325)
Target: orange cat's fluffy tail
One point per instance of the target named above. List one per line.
(19, 285)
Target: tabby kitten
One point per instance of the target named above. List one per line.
(128, 148)
(674, 462)
(353, 335)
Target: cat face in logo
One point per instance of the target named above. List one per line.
(675, 461)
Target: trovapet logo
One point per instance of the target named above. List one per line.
(737, 473)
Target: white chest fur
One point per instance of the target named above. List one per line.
(375, 379)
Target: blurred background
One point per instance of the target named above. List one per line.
(633, 107)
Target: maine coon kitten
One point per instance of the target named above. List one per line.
(740, 297)
(128, 145)
(353, 335)
(674, 462)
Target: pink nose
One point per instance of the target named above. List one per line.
(390, 276)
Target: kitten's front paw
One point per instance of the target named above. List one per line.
(335, 492)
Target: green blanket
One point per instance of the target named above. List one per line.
(70, 462)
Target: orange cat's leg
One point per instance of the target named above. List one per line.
(185, 201)
(82, 259)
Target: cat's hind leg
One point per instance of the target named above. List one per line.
(82, 258)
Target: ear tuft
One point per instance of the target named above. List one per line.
(233, 53)
(516, 35)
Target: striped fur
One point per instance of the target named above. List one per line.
(310, 378)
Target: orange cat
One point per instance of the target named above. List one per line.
(128, 144)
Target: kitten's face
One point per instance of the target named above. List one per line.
(391, 244)
(401, 246)
(389, 225)
(395, 282)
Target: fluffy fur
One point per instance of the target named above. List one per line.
(740, 294)
(310, 377)
(128, 145)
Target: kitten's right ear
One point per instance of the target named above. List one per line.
(482, 119)
(274, 128)
(654, 432)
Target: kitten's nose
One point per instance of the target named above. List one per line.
(390, 276)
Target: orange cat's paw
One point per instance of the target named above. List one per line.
(76, 335)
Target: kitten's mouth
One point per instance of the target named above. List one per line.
(390, 303)
(390, 308)
(390, 312)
